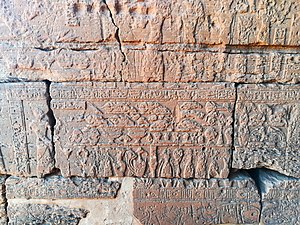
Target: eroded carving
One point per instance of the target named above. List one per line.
(60, 188)
(25, 141)
(267, 128)
(280, 198)
(180, 201)
(143, 130)
(43, 214)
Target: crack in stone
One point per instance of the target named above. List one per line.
(117, 34)
(52, 122)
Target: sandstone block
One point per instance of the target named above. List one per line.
(280, 198)
(44, 214)
(267, 128)
(144, 130)
(197, 201)
(26, 141)
(57, 187)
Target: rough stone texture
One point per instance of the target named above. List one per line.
(101, 211)
(180, 201)
(43, 214)
(25, 139)
(170, 63)
(51, 22)
(267, 128)
(60, 188)
(280, 198)
(3, 216)
(197, 21)
(144, 130)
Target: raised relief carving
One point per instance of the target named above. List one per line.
(25, 142)
(143, 130)
(180, 201)
(19, 213)
(60, 188)
(267, 128)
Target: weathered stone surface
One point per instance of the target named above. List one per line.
(267, 129)
(180, 201)
(50, 22)
(144, 130)
(3, 216)
(204, 21)
(101, 211)
(26, 148)
(198, 21)
(104, 63)
(170, 63)
(280, 198)
(44, 214)
(60, 188)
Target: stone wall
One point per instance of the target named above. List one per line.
(149, 112)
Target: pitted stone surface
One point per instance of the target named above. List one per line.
(26, 142)
(145, 130)
(57, 187)
(44, 214)
(280, 198)
(267, 129)
(180, 201)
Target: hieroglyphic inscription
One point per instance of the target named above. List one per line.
(19, 213)
(145, 130)
(60, 188)
(267, 131)
(280, 198)
(25, 140)
(180, 201)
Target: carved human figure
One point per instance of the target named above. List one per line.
(42, 129)
(165, 168)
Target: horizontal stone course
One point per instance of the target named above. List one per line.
(197, 21)
(153, 63)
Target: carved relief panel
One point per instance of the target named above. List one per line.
(180, 201)
(25, 138)
(143, 130)
(267, 128)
